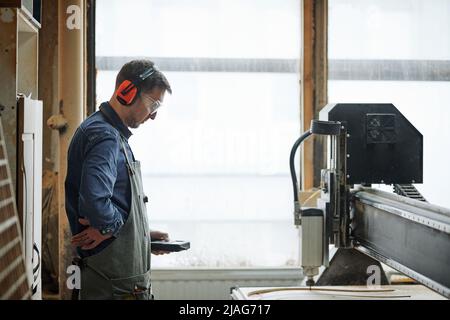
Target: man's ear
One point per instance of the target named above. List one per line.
(137, 100)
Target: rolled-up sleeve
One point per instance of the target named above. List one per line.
(98, 176)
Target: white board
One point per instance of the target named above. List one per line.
(32, 191)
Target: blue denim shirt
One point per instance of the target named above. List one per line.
(97, 182)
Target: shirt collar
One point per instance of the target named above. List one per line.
(112, 117)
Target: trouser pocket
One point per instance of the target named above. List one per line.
(137, 287)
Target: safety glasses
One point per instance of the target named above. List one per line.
(154, 104)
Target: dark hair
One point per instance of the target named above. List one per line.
(133, 69)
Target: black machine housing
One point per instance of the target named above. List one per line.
(383, 147)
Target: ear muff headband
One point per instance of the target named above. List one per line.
(128, 90)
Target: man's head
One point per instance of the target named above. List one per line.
(150, 93)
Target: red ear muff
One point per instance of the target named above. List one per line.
(126, 93)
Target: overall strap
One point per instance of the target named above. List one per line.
(124, 150)
(122, 140)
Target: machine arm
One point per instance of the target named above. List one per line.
(408, 235)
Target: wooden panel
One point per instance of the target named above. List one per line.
(13, 278)
(3, 171)
(8, 235)
(5, 192)
(2, 152)
(6, 208)
(8, 83)
(18, 40)
(27, 58)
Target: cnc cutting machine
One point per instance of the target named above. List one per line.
(371, 144)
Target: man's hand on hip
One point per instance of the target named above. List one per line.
(89, 238)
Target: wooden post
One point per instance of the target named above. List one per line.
(49, 80)
(62, 89)
(72, 108)
(314, 85)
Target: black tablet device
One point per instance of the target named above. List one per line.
(172, 246)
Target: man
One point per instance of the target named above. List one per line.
(105, 203)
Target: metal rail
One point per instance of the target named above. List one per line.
(408, 235)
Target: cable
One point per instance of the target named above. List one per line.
(292, 162)
(328, 128)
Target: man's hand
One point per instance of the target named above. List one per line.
(159, 236)
(89, 238)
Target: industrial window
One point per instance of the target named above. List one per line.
(398, 52)
(215, 161)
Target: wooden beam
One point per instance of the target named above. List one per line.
(321, 82)
(62, 88)
(49, 94)
(307, 91)
(49, 79)
(72, 108)
(314, 85)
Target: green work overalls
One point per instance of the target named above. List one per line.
(122, 269)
